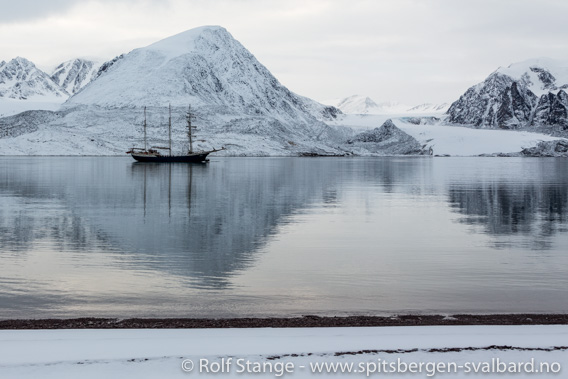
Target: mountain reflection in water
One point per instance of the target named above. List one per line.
(264, 236)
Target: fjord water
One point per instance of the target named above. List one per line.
(104, 236)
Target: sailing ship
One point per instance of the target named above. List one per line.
(153, 154)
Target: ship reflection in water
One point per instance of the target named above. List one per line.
(282, 236)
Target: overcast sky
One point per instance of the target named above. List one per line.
(408, 51)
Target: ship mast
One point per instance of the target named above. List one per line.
(170, 129)
(145, 137)
(189, 128)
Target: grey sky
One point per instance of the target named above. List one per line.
(401, 50)
(29, 9)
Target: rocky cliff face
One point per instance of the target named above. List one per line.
(552, 109)
(527, 95)
(514, 108)
(74, 74)
(480, 103)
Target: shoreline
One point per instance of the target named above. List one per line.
(283, 322)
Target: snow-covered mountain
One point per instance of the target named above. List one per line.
(357, 104)
(529, 94)
(74, 74)
(238, 102)
(21, 79)
(206, 67)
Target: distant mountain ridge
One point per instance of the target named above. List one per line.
(20, 79)
(25, 87)
(357, 104)
(529, 94)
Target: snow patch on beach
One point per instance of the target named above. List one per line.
(152, 353)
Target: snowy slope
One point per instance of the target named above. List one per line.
(74, 74)
(151, 353)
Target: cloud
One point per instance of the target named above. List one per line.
(13, 11)
(24, 10)
(404, 50)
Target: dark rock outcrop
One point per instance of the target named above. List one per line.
(547, 79)
(548, 149)
(387, 140)
(478, 105)
(515, 107)
(508, 99)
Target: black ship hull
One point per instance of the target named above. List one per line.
(190, 158)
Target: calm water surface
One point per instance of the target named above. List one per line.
(282, 236)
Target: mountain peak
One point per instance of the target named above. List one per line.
(20, 61)
(201, 66)
(185, 42)
(540, 75)
(205, 67)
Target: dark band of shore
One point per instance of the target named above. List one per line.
(294, 322)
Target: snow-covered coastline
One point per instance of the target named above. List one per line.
(241, 105)
(111, 130)
(167, 352)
